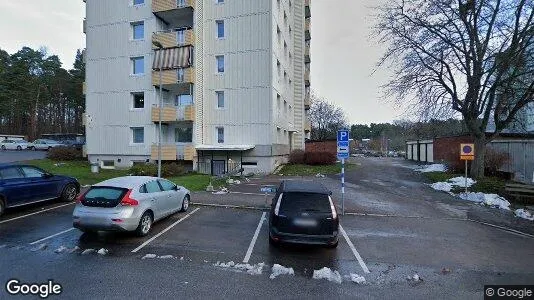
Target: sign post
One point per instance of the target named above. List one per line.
(342, 153)
(467, 152)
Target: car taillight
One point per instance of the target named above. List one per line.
(80, 197)
(332, 207)
(128, 201)
(277, 207)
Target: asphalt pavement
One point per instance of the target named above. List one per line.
(9, 156)
(219, 248)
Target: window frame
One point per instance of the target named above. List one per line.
(133, 25)
(134, 94)
(218, 70)
(176, 139)
(217, 100)
(217, 134)
(134, 4)
(133, 135)
(133, 63)
(217, 28)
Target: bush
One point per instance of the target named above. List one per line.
(144, 170)
(64, 153)
(297, 157)
(320, 158)
(172, 170)
(494, 160)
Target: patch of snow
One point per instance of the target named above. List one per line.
(166, 257)
(357, 278)
(237, 182)
(103, 251)
(182, 258)
(149, 256)
(414, 278)
(60, 249)
(76, 248)
(326, 273)
(523, 213)
(460, 181)
(441, 186)
(221, 192)
(431, 168)
(40, 247)
(230, 181)
(278, 270)
(319, 175)
(493, 200)
(88, 251)
(256, 269)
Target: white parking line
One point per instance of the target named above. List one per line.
(35, 213)
(163, 231)
(51, 236)
(358, 257)
(254, 238)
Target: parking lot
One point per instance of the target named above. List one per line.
(7, 156)
(192, 253)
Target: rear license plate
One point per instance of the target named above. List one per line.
(305, 222)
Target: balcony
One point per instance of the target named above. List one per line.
(307, 8)
(307, 125)
(171, 114)
(307, 57)
(169, 39)
(307, 78)
(307, 102)
(176, 13)
(171, 152)
(172, 78)
(307, 29)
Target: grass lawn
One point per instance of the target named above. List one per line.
(488, 185)
(307, 170)
(81, 171)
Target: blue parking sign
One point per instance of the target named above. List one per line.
(342, 135)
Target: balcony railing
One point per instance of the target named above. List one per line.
(173, 152)
(307, 78)
(307, 102)
(307, 125)
(170, 39)
(176, 13)
(175, 76)
(174, 114)
(165, 5)
(307, 57)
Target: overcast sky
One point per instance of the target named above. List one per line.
(343, 56)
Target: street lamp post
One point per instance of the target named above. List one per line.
(159, 46)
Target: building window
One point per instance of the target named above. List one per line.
(180, 75)
(183, 134)
(138, 29)
(220, 28)
(138, 2)
(220, 1)
(220, 99)
(220, 63)
(180, 37)
(183, 100)
(220, 135)
(138, 135)
(138, 65)
(138, 100)
(180, 3)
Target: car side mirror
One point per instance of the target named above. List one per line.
(47, 175)
(177, 188)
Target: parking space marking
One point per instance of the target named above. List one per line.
(163, 231)
(35, 213)
(354, 251)
(51, 236)
(243, 193)
(254, 238)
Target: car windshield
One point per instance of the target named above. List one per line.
(301, 202)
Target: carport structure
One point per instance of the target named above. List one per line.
(221, 159)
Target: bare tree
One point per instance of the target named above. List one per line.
(473, 57)
(326, 119)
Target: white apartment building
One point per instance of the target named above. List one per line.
(234, 82)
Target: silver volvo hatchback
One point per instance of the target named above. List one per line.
(130, 203)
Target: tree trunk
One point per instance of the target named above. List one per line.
(33, 118)
(477, 165)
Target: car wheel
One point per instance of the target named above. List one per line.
(185, 204)
(145, 224)
(19, 148)
(273, 242)
(69, 193)
(2, 207)
(49, 147)
(33, 148)
(333, 246)
(3, 147)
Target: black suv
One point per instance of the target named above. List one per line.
(303, 212)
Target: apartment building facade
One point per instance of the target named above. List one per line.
(232, 77)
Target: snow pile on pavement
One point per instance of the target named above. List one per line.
(256, 269)
(221, 192)
(486, 199)
(523, 213)
(432, 168)
(76, 248)
(149, 256)
(233, 181)
(40, 247)
(441, 186)
(357, 278)
(60, 249)
(414, 278)
(319, 175)
(103, 251)
(278, 270)
(88, 251)
(166, 257)
(326, 273)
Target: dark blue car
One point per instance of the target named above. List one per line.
(25, 184)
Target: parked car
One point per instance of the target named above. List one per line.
(74, 144)
(130, 203)
(43, 144)
(303, 212)
(25, 184)
(13, 145)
